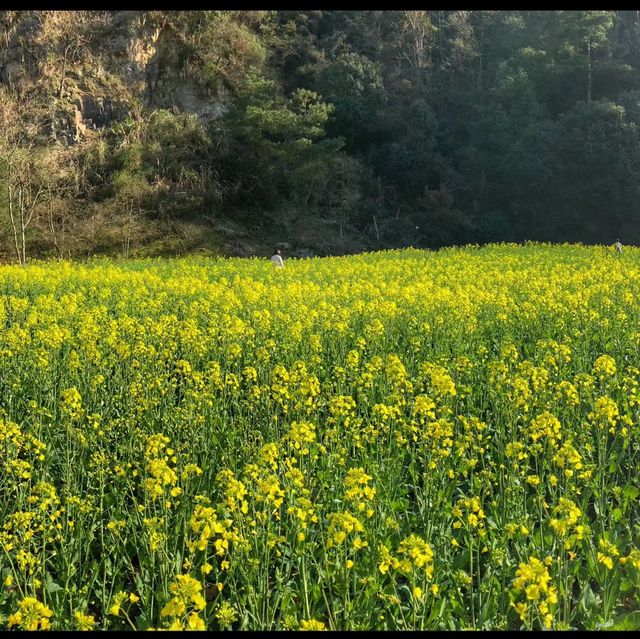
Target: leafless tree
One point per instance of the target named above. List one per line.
(20, 175)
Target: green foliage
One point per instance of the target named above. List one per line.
(265, 117)
(526, 120)
(352, 83)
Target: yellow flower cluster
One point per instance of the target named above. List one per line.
(341, 525)
(185, 605)
(358, 489)
(469, 513)
(533, 580)
(413, 552)
(31, 615)
(312, 624)
(607, 552)
(633, 558)
(208, 528)
(162, 476)
(84, 621)
(564, 522)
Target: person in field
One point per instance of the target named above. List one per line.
(276, 258)
(618, 246)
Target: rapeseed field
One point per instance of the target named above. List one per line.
(393, 440)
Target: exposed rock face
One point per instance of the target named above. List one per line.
(187, 99)
(10, 72)
(92, 112)
(89, 69)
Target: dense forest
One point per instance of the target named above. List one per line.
(157, 132)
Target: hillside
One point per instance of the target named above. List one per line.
(225, 132)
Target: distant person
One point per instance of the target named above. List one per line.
(618, 246)
(276, 258)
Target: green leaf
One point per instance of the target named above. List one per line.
(52, 587)
(589, 599)
(626, 585)
(605, 625)
(630, 621)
